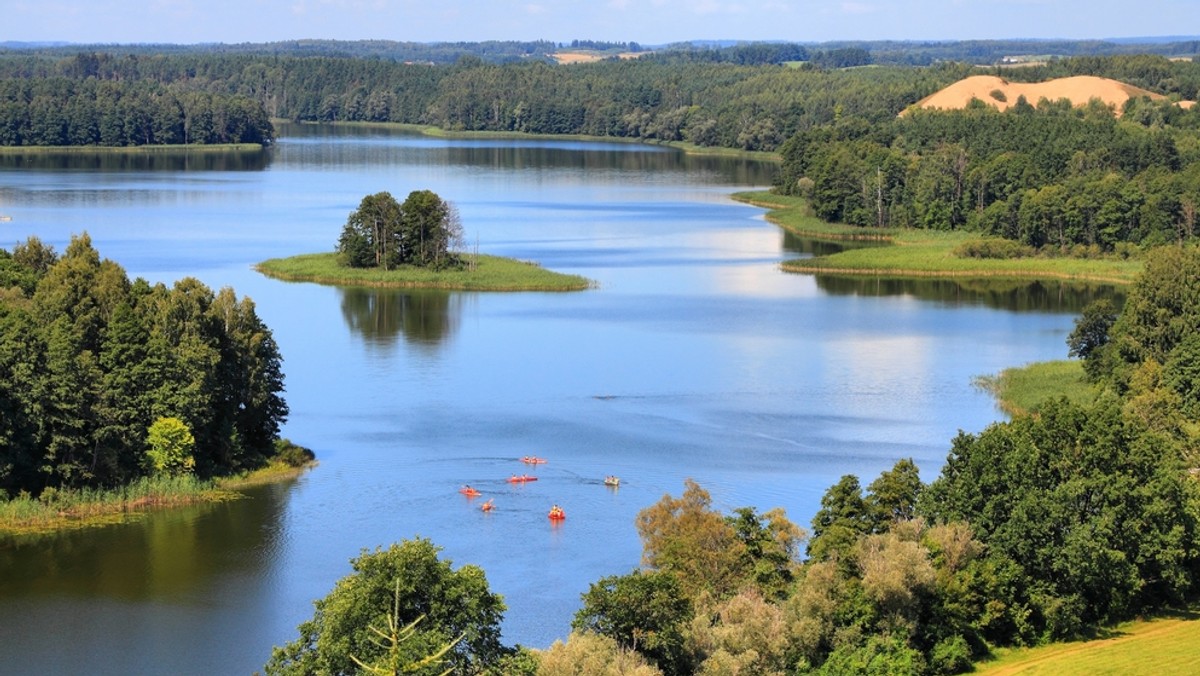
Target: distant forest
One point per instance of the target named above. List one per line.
(750, 96)
(1044, 173)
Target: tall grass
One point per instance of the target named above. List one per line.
(55, 509)
(484, 273)
(1023, 389)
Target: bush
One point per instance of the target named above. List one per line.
(951, 656)
(293, 455)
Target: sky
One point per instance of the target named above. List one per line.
(649, 22)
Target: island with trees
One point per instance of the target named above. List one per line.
(417, 243)
(116, 394)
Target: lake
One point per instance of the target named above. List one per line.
(694, 357)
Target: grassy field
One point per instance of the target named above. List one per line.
(924, 253)
(1022, 389)
(1168, 646)
(490, 273)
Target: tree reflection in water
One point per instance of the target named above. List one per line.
(424, 317)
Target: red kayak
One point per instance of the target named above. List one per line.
(521, 479)
(557, 514)
(533, 460)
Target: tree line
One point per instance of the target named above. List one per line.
(1047, 527)
(62, 111)
(90, 360)
(741, 96)
(1046, 176)
(754, 107)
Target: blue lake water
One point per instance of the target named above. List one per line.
(695, 357)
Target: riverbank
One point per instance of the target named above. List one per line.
(483, 273)
(194, 147)
(924, 253)
(86, 508)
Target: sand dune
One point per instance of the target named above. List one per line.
(1079, 90)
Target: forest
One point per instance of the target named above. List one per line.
(750, 97)
(90, 361)
(1045, 176)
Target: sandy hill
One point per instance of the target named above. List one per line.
(1079, 89)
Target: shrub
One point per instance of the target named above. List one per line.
(291, 454)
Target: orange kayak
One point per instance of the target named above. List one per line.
(533, 460)
(521, 479)
(469, 492)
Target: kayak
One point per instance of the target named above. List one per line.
(556, 514)
(533, 460)
(612, 481)
(469, 492)
(521, 479)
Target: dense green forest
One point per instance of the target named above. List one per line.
(66, 111)
(90, 360)
(711, 104)
(737, 97)
(1045, 175)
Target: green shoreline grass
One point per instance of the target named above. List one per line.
(87, 508)
(922, 253)
(194, 147)
(1023, 389)
(490, 273)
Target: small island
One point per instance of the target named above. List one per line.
(416, 244)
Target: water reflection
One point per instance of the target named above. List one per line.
(312, 145)
(796, 244)
(140, 160)
(170, 553)
(1001, 294)
(380, 315)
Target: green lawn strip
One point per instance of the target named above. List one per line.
(1022, 389)
(489, 273)
(1164, 646)
(923, 253)
(84, 508)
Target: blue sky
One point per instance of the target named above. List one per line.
(645, 21)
